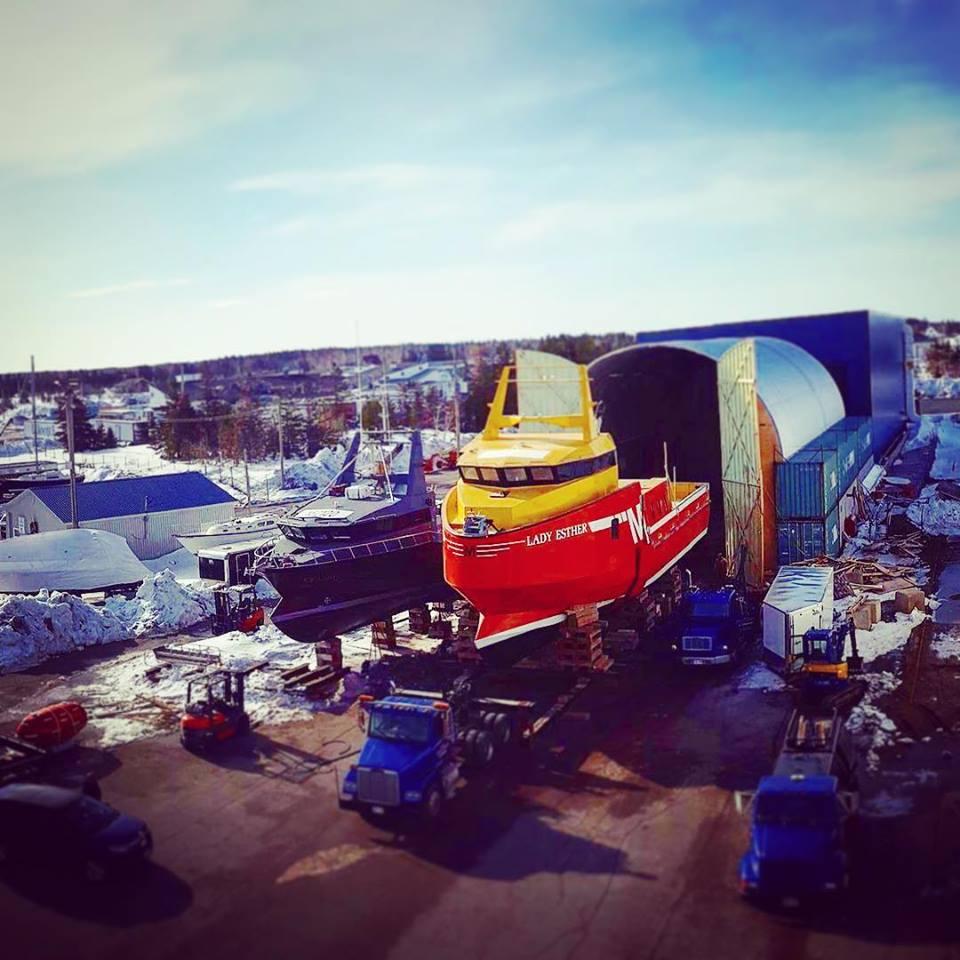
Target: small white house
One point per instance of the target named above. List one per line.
(146, 511)
(799, 599)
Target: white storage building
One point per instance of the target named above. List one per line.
(799, 599)
(146, 511)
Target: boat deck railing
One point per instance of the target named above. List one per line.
(360, 550)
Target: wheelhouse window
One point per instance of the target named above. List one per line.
(526, 476)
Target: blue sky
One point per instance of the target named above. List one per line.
(189, 180)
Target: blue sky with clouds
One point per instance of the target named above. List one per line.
(187, 180)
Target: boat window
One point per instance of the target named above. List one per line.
(515, 474)
(541, 474)
(489, 474)
(469, 473)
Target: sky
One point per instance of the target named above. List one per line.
(189, 180)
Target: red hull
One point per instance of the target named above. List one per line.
(53, 725)
(526, 578)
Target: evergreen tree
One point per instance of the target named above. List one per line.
(110, 441)
(84, 436)
(181, 435)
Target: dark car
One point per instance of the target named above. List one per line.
(58, 827)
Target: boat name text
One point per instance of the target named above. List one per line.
(562, 533)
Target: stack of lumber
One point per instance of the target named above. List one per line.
(464, 646)
(419, 620)
(580, 644)
(318, 680)
(852, 577)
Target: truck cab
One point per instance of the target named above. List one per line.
(797, 842)
(409, 759)
(714, 627)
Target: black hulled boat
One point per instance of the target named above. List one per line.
(367, 548)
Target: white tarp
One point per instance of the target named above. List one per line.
(67, 560)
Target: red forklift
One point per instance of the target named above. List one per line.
(236, 608)
(215, 711)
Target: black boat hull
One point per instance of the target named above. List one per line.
(320, 600)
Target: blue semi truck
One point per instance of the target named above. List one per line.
(800, 815)
(713, 627)
(419, 742)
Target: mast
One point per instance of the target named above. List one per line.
(356, 328)
(33, 396)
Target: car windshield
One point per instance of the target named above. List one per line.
(708, 609)
(89, 815)
(402, 727)
(801, 809)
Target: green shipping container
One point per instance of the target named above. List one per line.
(863, 428)
(808, 485)
(805, 539)
(845, 446)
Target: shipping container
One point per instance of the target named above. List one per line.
(799, 599)
(805, 539)
(808, 485)
(845, 446)
(863, 428)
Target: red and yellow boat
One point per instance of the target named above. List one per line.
(541, 522)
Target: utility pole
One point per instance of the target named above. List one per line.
(33, 394)
(280, 439)
(246, 473)
(385, 411)
(359, 383)
(73, 470)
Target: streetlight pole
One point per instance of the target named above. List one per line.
(33, 394)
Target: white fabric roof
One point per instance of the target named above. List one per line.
(67, 560)
(795, 588)
(795, 387)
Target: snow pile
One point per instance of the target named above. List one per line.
(106, 472)
(124, 704)
(313, 474)
(946, 466)
(938, 387)
(182, 563)
(934, 514)
(758, 676)
(35, 628)
(162, 605)
(869, 723)
(886, 637)
(925, 435)
(946, 648)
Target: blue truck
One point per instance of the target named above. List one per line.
(713, 627)
(419, 742)
(800, 814)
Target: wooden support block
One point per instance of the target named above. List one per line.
(419, 620)
(863, 618)
(384, 633)
(909, 600)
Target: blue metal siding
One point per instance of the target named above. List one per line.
(808, 485)
(865, 353)
(805, 539)
(135, 495)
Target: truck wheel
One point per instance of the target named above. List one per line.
(433, 803)
(501, 729)
(483, 748)
(470, 744)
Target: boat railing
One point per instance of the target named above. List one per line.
(683, 490)
(357, 551)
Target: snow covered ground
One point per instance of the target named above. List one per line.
(938, 387)
(868, 723)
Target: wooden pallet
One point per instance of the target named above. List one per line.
(419, 620)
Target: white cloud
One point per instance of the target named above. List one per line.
(128, 287)
(87, 84)
(385, 176)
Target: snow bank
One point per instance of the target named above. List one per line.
(35, 628)
(123, 704)
(925, 435)
(938, 387)
(162, 605)
(313, 474)
(887, 637)
(182, 563)
(868, 723)
(946, 466)
(934, 514)
(946, 648)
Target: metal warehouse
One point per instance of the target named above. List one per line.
(728, 411)
(868, 354)
(146, 511)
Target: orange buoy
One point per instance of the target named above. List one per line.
(53, 725)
